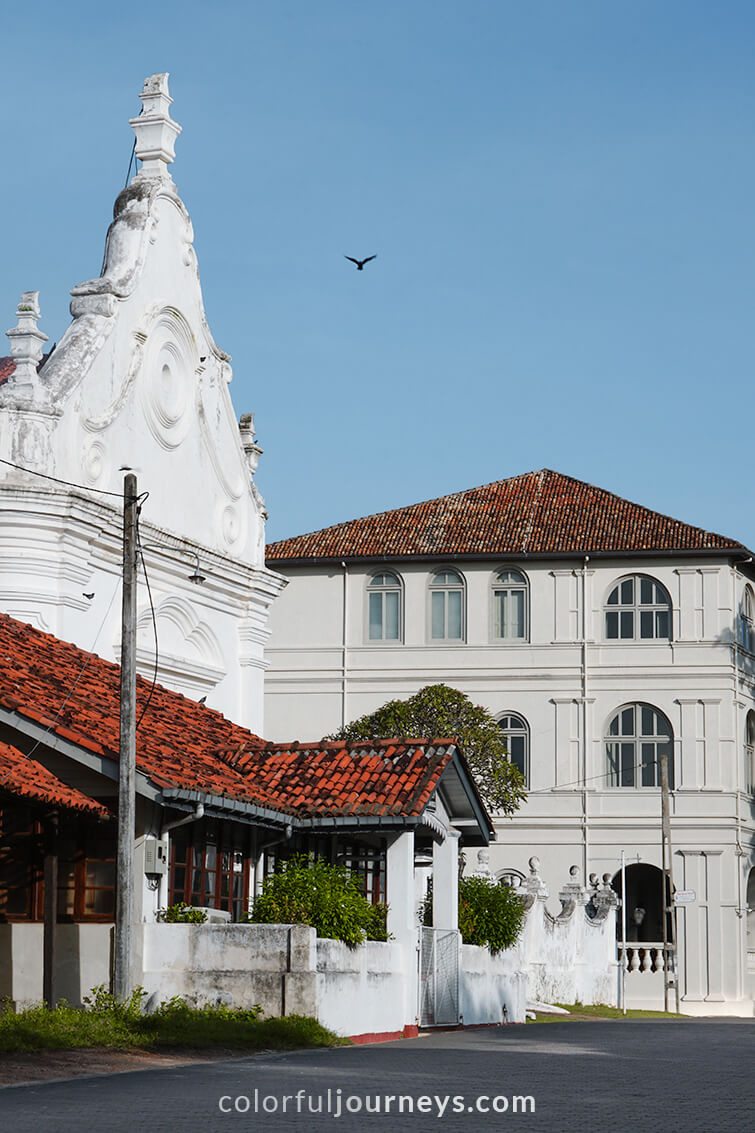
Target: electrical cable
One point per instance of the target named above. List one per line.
(130, 163)
(582, 782)
(57, 480)
(73, 687)
(140, 551)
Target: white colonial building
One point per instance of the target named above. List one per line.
(599, 633)
(138, 382)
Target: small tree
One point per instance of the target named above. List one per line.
(441, 712)
(328, 897)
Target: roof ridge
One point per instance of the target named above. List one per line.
(408, 507)
(533, 513)
(528, 532)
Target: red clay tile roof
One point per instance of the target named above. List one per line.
(184, 745)
(384, 777)
(535, 514)
(28, 779)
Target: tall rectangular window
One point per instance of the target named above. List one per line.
(384, 607)
(510, 606)
(447, 606)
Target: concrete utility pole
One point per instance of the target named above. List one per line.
(670, 965)
(124, 905)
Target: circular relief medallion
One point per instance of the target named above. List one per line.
(95, 463)
(231, 526)
(168, 377)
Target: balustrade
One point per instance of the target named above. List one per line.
(645, 956)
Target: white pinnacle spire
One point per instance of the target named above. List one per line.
(26, 342)
(155, 130)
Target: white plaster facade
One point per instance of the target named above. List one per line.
(567, 681)
(138, 381)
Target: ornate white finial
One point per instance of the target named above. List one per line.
(26, 342)
(483, 864)
(252, 450)
(155, 130)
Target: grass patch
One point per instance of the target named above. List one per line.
(579, 1011)
(104, 1022)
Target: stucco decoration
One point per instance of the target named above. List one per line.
(167, 377)
(181, 634)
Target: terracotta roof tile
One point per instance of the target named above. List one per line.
(347, 779)
(7, 366)
(183, 744)
(534, 514)
(26, 778)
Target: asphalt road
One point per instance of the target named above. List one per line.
(637, 1077)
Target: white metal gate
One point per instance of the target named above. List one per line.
(439, 977)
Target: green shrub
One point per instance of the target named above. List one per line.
(181, 913)
(377, 929)
(490, 913)
(327, 897)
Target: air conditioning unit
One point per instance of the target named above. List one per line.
(214, 916)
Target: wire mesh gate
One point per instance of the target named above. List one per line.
(439, 977)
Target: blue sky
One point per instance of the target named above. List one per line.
(560, 194)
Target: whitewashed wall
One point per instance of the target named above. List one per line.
(82, 961)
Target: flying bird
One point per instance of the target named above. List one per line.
(89, 596)
(360, 263)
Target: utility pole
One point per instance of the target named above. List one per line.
(670, 965)
(51, 908)
(124, 905)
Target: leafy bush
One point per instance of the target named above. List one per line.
(327, 897)
(181, 913)
(490, 913)
(377, 929)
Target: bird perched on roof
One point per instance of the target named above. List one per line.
(360, 263)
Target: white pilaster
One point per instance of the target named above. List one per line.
(446, 881)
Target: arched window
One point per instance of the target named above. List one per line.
(747, 620)
(447, 606)
(637, 737)
(516, 732)
(384, 607)
(510, 606)
(638, 609)
(750, 752)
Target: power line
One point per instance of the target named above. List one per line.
(57, 480)
(130, 163)
(85, 666)
(582, 782)
(140, 551)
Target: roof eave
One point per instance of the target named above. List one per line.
(740, 552)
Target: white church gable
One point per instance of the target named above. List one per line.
(138, 382)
